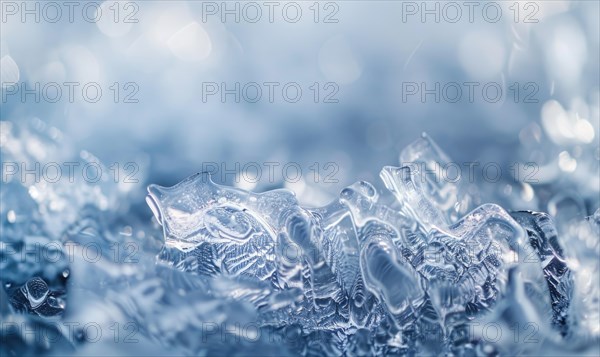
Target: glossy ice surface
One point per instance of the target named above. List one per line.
(414, 276)
(419, 269)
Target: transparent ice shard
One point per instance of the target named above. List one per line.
(406, 184)
(213, 230)
(494, 242)
(303, 230)
(35, 297)
(240, 227)
(466, 268)
(342, 247)
(35, 290)
(325, 267)
(29, 264)
(390, 279)
(543, 238)
(432, 180)
(361, 200)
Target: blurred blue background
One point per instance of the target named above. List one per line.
(543, 54)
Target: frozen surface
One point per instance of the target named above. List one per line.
(413, 263)
(417, 269)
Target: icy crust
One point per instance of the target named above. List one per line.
(544, 242)
(401, 278)
(36, 210)
(419, 270)
(235, 230)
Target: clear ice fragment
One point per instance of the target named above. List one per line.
(304, 231)
(430, 166)
(543, 238)
(416, 270)
(389, 278)
(35, 290)
(392, 281)
(239, 228)
(406, 185)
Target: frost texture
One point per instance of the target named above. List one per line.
(419, 269)
(417, 275)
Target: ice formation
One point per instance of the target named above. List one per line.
(415, 276)
(421, 268)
